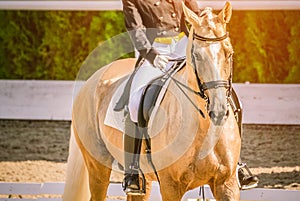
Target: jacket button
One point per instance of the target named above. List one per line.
(176, 29)
(173, 14)
(157, 3)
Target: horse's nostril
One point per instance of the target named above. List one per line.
(212, 115)
(227, 113)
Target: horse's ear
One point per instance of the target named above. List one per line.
(190, 16)
(226, 12)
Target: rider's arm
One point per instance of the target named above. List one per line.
(137, 30)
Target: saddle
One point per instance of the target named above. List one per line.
(152, 92)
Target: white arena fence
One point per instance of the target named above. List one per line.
(54, 191)
(52, 100)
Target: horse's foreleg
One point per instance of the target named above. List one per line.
(171, 190)
(226, 191)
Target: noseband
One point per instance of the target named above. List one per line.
(203, 86)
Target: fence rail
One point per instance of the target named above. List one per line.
(115, 193)
(52, 100)
(117, 5)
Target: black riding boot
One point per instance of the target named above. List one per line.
(246, 179)
(132, 144)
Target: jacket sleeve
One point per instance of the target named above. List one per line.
(193, 5)
(137, 31)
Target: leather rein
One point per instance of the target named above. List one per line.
(203, 86)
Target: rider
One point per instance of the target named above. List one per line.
(158, 31)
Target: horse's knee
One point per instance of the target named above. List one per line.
(225, 186)
(223, 172)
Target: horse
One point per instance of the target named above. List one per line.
(196, 137)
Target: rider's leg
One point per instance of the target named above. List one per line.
(132, 137)
(245, 178)
(132, 143)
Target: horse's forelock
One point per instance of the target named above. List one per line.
(208, 18)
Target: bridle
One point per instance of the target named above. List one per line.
(205, 39)
(203, 86)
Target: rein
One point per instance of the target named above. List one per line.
(206, 85)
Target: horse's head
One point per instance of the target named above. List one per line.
(210, 53)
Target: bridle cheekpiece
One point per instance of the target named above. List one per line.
(203, 86)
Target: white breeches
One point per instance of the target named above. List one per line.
(148, 72)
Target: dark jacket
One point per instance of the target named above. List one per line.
(147, 19)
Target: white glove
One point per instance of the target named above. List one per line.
(161, 61)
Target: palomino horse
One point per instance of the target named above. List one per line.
(188, 149)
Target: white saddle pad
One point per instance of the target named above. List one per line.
(116, 119)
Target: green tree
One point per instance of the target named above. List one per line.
(54, 44)
(294, 49)
(20, 35)
(261, 42)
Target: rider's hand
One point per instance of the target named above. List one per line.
(161, 61)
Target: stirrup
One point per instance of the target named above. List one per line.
(246, 176)
(131, 184)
